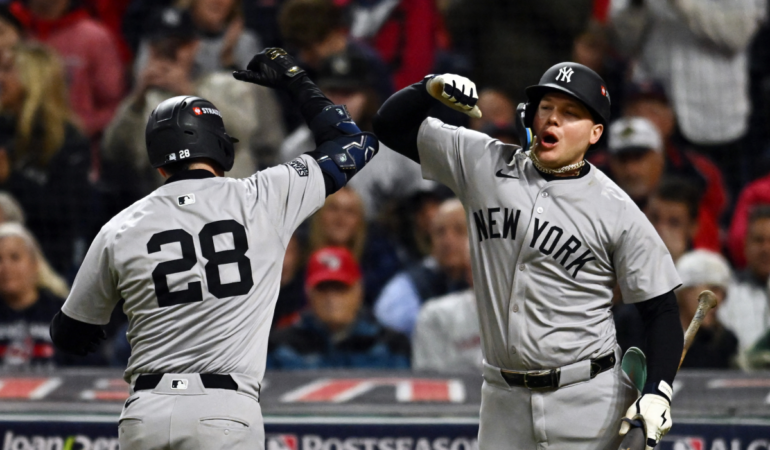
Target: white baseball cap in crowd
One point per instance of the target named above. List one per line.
(699, 267)
(634, 134)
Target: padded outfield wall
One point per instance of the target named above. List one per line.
(352, 410)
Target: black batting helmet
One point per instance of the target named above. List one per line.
(187, 127)
(576, 80)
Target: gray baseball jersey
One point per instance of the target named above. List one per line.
(546, 256)
(198, 262)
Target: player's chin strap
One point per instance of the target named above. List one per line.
(342, 156)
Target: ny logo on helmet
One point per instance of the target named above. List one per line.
(565, 74)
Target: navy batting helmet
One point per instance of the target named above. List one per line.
(188, 127)
(576, 80)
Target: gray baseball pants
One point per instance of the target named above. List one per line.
(193, 418)
(581, 416)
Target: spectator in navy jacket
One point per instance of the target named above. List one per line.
(441, 273)
(336, 332)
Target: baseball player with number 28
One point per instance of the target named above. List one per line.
(198, 262)
(550, 237)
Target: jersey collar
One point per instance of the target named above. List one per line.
(195, 174)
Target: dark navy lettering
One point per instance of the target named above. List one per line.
(481, 226)
(580, 261)
(554, 229)
(570, 247)
(538, 230)
(492, 222)
(510, 222)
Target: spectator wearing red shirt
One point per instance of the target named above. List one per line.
(755, 194)
(94, 69)
(404, 33)
(110, 13)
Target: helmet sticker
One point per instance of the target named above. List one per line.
(198, 111)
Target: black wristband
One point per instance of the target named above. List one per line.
(308, 97)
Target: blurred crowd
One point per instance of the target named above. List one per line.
(380, 276)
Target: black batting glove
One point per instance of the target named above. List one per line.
(272, 67)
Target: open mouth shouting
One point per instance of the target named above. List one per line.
(549, 140)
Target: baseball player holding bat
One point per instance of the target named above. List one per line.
(550, 237)
(198, 262)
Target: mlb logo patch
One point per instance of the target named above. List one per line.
(281, 442)
(197, 111)
(187, 199)
(179, 384)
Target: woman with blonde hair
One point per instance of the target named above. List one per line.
(31, 293)
(341, 223)
(44, 158)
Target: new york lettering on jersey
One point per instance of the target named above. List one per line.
(486, 223)
(548, 257)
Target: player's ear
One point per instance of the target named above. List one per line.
(596, 133)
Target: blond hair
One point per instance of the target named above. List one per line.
(42, 122)
(357, 241)
(47, 278)
(10, 209)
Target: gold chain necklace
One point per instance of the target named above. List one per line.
(561, 170)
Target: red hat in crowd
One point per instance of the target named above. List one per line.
(332, 264)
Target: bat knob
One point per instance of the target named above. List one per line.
(635, 439)
(708, 299)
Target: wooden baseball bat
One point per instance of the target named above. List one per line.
(706, 301)
(635, 438)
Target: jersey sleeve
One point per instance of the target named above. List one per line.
(448, 153)
(94, 292)
(291, 192)
(643, 265)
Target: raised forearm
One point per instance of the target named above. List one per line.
(398, 121)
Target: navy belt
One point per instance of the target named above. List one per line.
(545, 379)
(209, 380)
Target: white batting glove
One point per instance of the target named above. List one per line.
(456, 92)
(654, 411)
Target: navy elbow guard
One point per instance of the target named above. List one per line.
(343, 149)
(343, 156)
